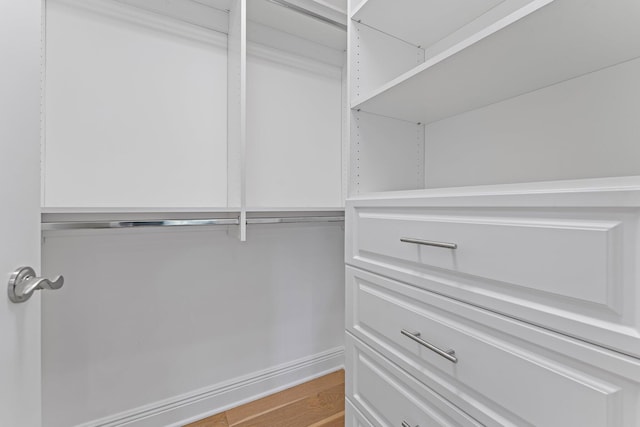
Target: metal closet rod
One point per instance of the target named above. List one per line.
(313, 15)
(101, 225)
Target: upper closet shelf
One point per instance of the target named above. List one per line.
(296, 21)
(209, 14)
(421, 22)
(543, 43)
(135, 209)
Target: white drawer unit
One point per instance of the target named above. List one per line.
(499, 370)
(493, 214)
(390, 397)
(567, 268)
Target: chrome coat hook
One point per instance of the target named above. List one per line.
(23, 283)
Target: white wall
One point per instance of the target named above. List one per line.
(147, 318)
(294, 147)
(587, 127)
(135, 109)
(388, 154)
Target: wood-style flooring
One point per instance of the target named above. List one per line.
(317, 403)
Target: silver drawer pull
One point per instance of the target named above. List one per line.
(405, 424)
(430, 243)
(450, 355)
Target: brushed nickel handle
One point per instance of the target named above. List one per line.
(23, 283)
(450, 355)
(430, 243)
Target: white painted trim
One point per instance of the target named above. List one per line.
(43, 103)
(149, 19)
(345, 114)
(421, 150)
(291, 60)
(198, 404)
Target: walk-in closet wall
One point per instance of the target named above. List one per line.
(144, 118)
(135, 109)
(178, 324)
(294, 104)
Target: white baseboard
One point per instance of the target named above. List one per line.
(189, 407)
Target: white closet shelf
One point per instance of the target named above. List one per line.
(537, 46)
(218, 4)
(156, 214)
(296, 209)
(142, 210)
(420, 22)
(287, 17)
(209, 14)
(578, 192)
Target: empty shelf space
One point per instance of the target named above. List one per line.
(543, 43)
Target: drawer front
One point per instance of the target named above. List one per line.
(569, 270)
(507, 372)
(390, 397)
(353, 417)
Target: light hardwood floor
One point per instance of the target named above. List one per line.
(317, 403)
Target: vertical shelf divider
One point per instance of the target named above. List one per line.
(237, 111)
